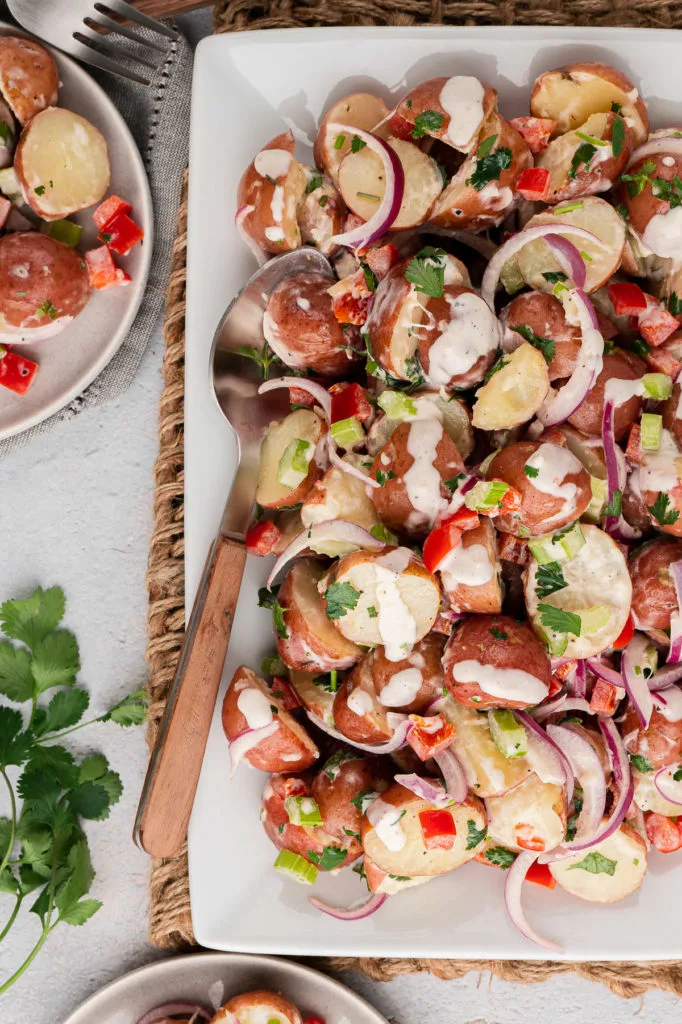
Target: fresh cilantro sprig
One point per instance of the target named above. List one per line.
(474, 835)
(264, 356)
(340, 598)
(641, 763)
(582, 156)
(545, 345)
(501, 857)
(268, 599)
(489, 165)
(548, 579)
(596, 864)
(330, 858)
(426, 123)
(426, 271)
(44, 850)
(638, 181)
(660, 511)
(559, 621)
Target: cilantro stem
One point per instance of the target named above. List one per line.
(65, 732)
(12, 917)
(44, 934)
(13, 822)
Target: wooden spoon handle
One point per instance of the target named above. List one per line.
(168, 793)
(166, 8)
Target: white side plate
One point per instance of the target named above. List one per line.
(247, 88)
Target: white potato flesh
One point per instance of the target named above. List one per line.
(558, 156)
(648, 798)
(597, 576)
(513, 394)
(594, 215)
(455, 415)
(534, 809)
(610, 871)
(362, 177)
(62, 163)
(569, 99)
(339, 496)
(313, 695)
(360, 110)
(489, 773)
(304, 425)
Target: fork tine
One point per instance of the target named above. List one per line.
(132, 14)
(122, 30)
(114, 49)
(98, 60)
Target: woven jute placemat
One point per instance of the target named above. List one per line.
(170, 919)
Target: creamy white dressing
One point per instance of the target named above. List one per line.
(422, 480)
(386, 821)
(397, 627)
(402, 688)
(658, 471)
(663, 234)
(462, 99)
(495, 198)
(509, 683)
(472, 332)
(672, 709)
(277, 204)
(360, 702)
(255, 708)
(272, 163)
(274, 234)
(303, 303)
(621, 391)
(668, 161)
(470, 566)
(554, 464)
(396, 560)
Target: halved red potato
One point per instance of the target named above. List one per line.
(450, 109)
(300, 327)
(343, 785)
(358, 715)
(530, 817)
(316, 693)
(362, 183)
(514, 393)
(338, 495)
(546, 318)
(488, 771)
(412, 469)
(672, 411)
(571, 177)
(394, 585)
(392, 836)
(555, 496)
(471, 575)
(268, 196)
(62, 163)
(455, 414)
(588, 448)
(618, 365)
(657, 226)
(321, 212)
(250, 704)
(302, 425)
(661, 742)
(570, 94)
(8, 135)
(648, 798)
(493, 661)
(359, 110)
(380, 881)
(476, 199)
(653, 591)
(597, 581)
(312, 644)
(657, 480)
(29, 79)
(607, 872)
(44, 284)
(411, 684)
(256, 1007)
(459, 339)
(594, 215)
(308, 841)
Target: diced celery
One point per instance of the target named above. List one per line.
(486, 494)
(568, 208)
(652, 430)
(508, 735)
(303, 810)
(570, 541)
(379, 532)
(511, 278)
(293, 466)
(348, 432)
(396, 405)
(10, 187)
(556, 643)
(557, 547)
(295, 867)
(592, 139)
(593, 512)
(560, 289)
(593, 619)
(542, 550)
(657, 385)
(65, 231)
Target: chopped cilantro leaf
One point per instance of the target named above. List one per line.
(583, 155)
(545, 345)
(40, 190)
(364, 798)
(641, 763)
(357, 144)
(268, 599)
(548, 579)
(453, 483)
(596, 864)
(499, 634)
(531, 471)
(314, 182)
(554, 276)
(47, 309)
(426, 122)
(340, 597)
(372, 612)
(371, 279)
(659, 510)
(498, 365)
(489, 168)
(674, 304)
(618, 134)
(474, 835)
(559, 621)
(383, 478)
(638, 181)
(615, 506)
(426, 271)
(500, 856)
(486, 146)
(330, 858)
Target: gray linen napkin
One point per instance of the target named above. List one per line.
(158, 117)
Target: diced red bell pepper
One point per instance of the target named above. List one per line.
(108, 210)
(313, 1020)
(440, 542)
(351, 401)
(438, 829)
(382, 259)
(261, 537)
(284, 692)
(657, 324)
(428, 736)
(664, 833)
(510, 502)
(604, 699)
(564, 671)
(627, 298)
(513, 549)
(102, 270)
(535, 131)
(541, 875)
(350, 299)
(633, 451)
(626, 634)
(122, 234)
(662, 361)
(533, 183)
(293, 785)
(297, 396)
(16, 372)
(527, 839)
(555, 686)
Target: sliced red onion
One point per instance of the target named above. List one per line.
(334, 530)
(435, 706)
(172, 1009)
(620, 766)
(561, 404)
(377, 226)
(580, 679)
(370, 906)
(546, 759)
(569, 258)
(558, 662)
(587, 768)
(247, 740)
(513, 891)
(635, 683)
(425, 789)
(345, 467)
(456, 785)
(516, 243)
(662, 144)
(675, 652)
(396, 742)
(559, 705)
(604, 671)
(665, 677)
(240, 216)
(457, 500)
(615, 526)
(667, 786)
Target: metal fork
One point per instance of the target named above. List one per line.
(85, 30)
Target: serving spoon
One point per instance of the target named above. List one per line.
(239, 359)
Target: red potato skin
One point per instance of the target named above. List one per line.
(641, 208)
(618, 365)
(675, 505)
(588, 182)
(392, 501)
(430, 649)
(486, 598)
(635, 511)
(545, 316)
(653, 590)
(37, 87)
(387, 306)
(370, 727)
(64, 285)
(661, 743)
(257, 192)
(285, 750)
(298, 838)
(473, 639)
(310, 338)
(334, 796)
(537, 509)
(426, 96)
(671, 421)
(441, 312)
(261, 999)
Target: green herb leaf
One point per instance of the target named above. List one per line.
(372, 612)
(55, 661)
(79, 913)
(426, 122)
(674, 304)
(426, 271)
(615, 506)
(31, 620)
(582, 155)
(559, 621)
(265, 357)
(486, 146)
(314, 182)
(331, 857)
(618, 135)
(622, 211)
(329, 682)
(531, 472)
(442, 171)
(659, 510)
(545, 345)
(16, 679)
(65, 709)
(273, 666)
(5, 133)
(339, 598)
(90, 800)
(47, 309)
(498, 365)
(383, 478)
(332, 765)
(668, 191)
(637, 182)
(555, 276)
(548, 579)
(596, 864)
(268, 599)
(364, 798)
(489, 168)
(499, 634)
(132, 710)
(474, 835)
(677, 776)
(641, 763)
(371, 279)
(39, 190)
(357, 144)
(500, 856)
(14, 744)
(453, 483)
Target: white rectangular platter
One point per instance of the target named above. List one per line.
(247, 88)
